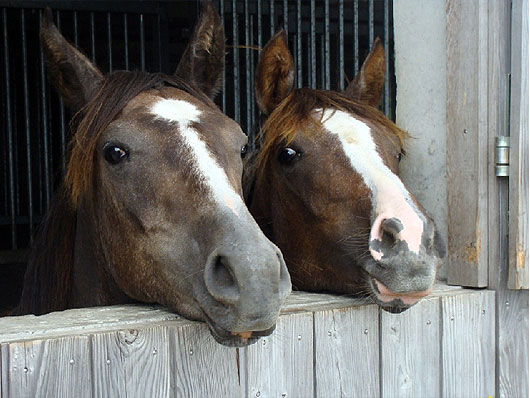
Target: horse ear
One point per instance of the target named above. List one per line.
(368, 85)
(70, 72)
(203, 60)
(274, 73)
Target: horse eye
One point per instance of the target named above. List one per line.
(287, 156)
(114, 154)
(244, 150)
(399, 156)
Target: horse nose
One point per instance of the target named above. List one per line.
(251, 282)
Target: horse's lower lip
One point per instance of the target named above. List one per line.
(235, 339)
(388, 298)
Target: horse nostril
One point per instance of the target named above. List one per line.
(392, 226)
(220, 281)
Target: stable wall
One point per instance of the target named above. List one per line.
(420, 62)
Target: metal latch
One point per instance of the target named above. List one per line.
(502, 156)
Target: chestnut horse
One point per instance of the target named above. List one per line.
(323, 186)
(152, 207)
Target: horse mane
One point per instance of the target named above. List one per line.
(47, 282)
(296, 114)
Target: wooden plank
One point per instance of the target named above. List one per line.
(468, 345)
(281, 365)
(4, 370)
(82, 321)
(132, 363)
(410, 355)
(50, 368)
(519, 157)
(202, 367)
(343, 338)
(467, 142)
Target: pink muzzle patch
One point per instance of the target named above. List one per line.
(391, 203)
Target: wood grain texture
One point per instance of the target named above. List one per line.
(467, 142)
(468, 345)
(200, 366)
(283, 362)
(519, 156)
(50, 368)
(132, 363)
(347, 352)
(410, 358)
(4, 370)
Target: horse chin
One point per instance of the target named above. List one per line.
(235, 339)
(394, 303)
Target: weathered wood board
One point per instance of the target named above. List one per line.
(410, 358)
(341, 347)
(519, 150)
(467, 142)
(347, 352)
(468, 335)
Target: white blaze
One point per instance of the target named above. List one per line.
(185, 113)
(389, 195)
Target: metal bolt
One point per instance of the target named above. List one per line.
(264, 342)
(365, 331)
(507, 303)
(108, 361)
(428, 322)
(465, 131)
(452, 318)
(191, 351)
(258, 394)
(483, 312)
(299, 337)
(25, 370)
(391, 328)
(155, 351)
(329, 333)
(72, 361)
(284, 394)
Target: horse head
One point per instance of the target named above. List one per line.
(324, 186)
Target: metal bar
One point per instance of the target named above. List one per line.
(286, 16)
(142, 42)
(250, 129)
(44, 104)
(237, 111)
(299, 43)
(260, 28)
(126, 41)
(327, 72)
(322, 62)
(271, 9)
(76, 39)
(9, 125)
(92, 36)
(313, 47)
(341, 45)
(62, 112)
(355, 37)
(222, 12)
(387, 64)
(109, 40)
(26, 120)
(247, 66)
(371, 21)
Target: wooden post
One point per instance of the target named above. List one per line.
(467, 142)
(518, 232)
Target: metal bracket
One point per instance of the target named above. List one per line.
(502, 156)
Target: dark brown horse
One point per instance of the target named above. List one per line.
(152, 206)
(323, 185)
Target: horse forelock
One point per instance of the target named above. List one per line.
(295, 114)
(118, 89)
